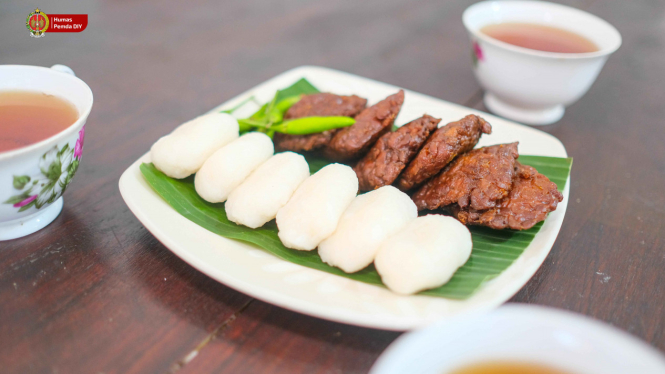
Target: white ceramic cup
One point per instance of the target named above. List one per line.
(33, 178)
(533, 86)
(520, 333)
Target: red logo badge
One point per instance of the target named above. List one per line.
(38, 23)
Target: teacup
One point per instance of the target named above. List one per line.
(559, 340)
(33, 178)
(532, 86)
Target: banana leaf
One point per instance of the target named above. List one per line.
(493, 250)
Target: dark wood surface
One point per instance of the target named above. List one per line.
(95, 292)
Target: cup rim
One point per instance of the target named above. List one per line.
(532, 52)
(55, 137)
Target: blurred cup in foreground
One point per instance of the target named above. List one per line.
(529, 85)
(519, 335)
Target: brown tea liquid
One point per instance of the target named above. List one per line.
(27, 117)
(507, 367)
(540, 37)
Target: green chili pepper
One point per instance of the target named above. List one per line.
(271, 106)
(277, 114)
(245, 125)
(275, 117)
(277, 107)
(286, 103)
(269, 115)
(259, 113)
(312, 125)
(263, 112)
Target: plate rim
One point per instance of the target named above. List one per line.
(296, 304)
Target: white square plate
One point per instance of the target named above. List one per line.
(256, 273)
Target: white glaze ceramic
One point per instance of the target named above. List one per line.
(253, 271)
(33, 178)
(525, 333)
(530, 86)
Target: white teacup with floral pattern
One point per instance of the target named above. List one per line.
(33, 178)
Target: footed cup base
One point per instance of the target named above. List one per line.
(536, 117)
(32, 223)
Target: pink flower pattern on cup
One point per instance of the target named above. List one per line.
(25, 202)
(478, 52)
(78, 148)
(57, 167)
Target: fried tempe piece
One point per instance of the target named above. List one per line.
(326, 104)
(352, 142)
(477, 180)
(442, 147)
(533, 196)
(320, 104)
(390, 154)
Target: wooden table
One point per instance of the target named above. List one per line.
(95, 292)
